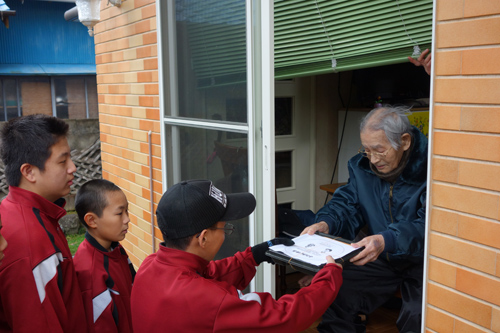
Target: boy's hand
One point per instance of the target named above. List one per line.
(307, 279)
(330, 260)
(259, 250)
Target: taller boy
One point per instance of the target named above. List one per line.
(39, 291)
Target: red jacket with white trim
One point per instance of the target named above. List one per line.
(39, 291)
(106, 282)
(181, 292)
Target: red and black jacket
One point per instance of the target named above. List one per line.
(39, 291)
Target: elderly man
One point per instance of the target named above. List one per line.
(385, 196)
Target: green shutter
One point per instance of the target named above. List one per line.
(308, 35)
(355, 34)
(216, 36)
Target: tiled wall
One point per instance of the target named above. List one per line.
(464, 242)
(127, 79)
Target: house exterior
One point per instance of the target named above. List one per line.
(153, 133)
(47, 65)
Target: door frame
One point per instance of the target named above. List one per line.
(260, 116)
(302, 90)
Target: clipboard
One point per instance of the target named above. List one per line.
(284, 259)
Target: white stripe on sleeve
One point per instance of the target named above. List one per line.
(100, 303)
(249, 297)
(45, 271)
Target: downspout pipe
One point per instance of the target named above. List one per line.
(150, 144)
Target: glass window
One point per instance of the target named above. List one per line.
(283, 169)
(92, 97)
(70, 97)
(10, 90)
(236, 111)
(61, 98)
(208, 154)
(210, 84)
(35, 95)
(25, 95)
(283, 110)
(211, 58)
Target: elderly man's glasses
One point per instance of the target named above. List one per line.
(228, 229)
(369, 154)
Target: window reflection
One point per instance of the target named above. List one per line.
(211, 86)
(70, 98)
(211, 56)
(209, 154)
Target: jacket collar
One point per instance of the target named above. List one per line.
(115, 246)
(415, 171)
(182, 259)
(54, 210)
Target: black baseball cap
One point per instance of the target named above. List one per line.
(191, 206)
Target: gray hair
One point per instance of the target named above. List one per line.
(393, 120)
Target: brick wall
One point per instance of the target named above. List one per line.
(36, 97)
(127, 83)
(464, 263)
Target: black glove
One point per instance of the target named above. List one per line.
(259, 250)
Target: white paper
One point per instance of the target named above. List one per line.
(313, 249)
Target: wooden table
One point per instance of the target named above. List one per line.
(330, 188)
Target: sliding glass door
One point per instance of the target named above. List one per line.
(216, 79)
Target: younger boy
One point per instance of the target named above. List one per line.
(102, 266)
(38, 289)
(181, 288)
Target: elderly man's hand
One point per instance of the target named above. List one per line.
(423, 61)
(374, 245)
(320, 226)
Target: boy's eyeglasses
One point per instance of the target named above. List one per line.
(228, 229)
(369, 154)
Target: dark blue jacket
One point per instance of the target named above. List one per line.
(396, 211)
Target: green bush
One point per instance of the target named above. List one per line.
(74, 241)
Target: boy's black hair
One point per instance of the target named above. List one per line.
(91, 198)
(181, 243)
(29, 139)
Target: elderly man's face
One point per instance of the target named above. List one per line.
(380, 152)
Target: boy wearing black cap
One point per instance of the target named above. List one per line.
(181, 288)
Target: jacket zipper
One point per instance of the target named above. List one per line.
(390, 212)
(390, 200)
